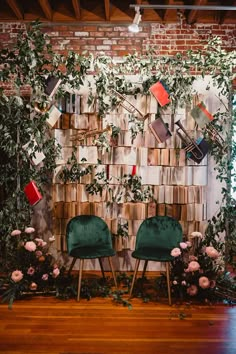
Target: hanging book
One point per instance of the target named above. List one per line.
(52, 83)
(198, 151)
(201, 115)
(160, 130)
(35, 156)
(53, 116)
(160, 92)
(32, 193)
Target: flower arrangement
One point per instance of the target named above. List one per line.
(195, 268)
(32, 267)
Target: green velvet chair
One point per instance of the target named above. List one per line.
(155, 239)
(88, 237)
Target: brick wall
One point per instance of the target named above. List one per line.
(118, 41)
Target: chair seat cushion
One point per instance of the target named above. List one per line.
(153, 254)
(92, 252)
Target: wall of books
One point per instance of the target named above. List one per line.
(172, 182)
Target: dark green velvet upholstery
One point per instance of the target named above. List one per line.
(156, 237)
(88, 236)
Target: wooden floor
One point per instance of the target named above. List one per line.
(100, 326)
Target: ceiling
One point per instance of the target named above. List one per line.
(113, 11)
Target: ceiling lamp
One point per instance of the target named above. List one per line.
(134, 27)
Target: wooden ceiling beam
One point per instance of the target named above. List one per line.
(167, 12)
(14, 5)
(46, 7)
(107, 9)
(76, 7)
(224, 14)
(192, 16)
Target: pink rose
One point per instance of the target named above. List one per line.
(189, 244)
(183, 282)
(30, 246)
(16, 276)
(193, 266)
(175, 282)
(45, 276)
(192, 258)
(55, 272)
(175, 252)
(38, 253)
(30, 271)
(204, 282)
(192, 290)
(33, 286)
(40, 242)
(15, 233)
(183, 245)
(29, 230)
(212, 252)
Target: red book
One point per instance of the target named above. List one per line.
(32, 193)
(160, 93)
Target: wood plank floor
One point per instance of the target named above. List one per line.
(100, 326)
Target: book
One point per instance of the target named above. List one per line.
(198, 152)
(201, 115)
(160, 92)
(51, 85)
(160, 130)
(32, 193)
(35, 156)
(53, 116)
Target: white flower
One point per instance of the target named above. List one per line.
(51, 239)
(196, 234)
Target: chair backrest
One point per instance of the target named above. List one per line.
(87, 231)
(159, 232)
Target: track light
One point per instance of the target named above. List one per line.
(134, 27)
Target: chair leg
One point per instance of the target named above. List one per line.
(81, 264)
(168, 281)
(144, 268)
(101, 266)
(72, 265)
(112, 270)
(134, 276)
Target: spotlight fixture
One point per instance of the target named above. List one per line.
(137, 18)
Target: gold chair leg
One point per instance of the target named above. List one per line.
(134, 276)
(144, 268)
(81, 264)
(168, 281)
(72, 265)
(101, 266)
(113, 272)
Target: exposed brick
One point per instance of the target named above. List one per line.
(81, 34)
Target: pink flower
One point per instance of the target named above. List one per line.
(30, 271)
(30, 246)
(193, 266)
(183, 282)
(45, 276)
(175, 252)
(212, 284)
(55, 272)
(204, 282)
(41, 242)
(183, 245)
(33, 286)
(16, 276)
(175, 282)
(192, 290)
(29, 230)
(192, 258)
(38, 253)
(212, 252)
(15, 233)
(189, 244)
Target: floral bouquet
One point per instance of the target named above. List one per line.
(32, 267)
(195, 268)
